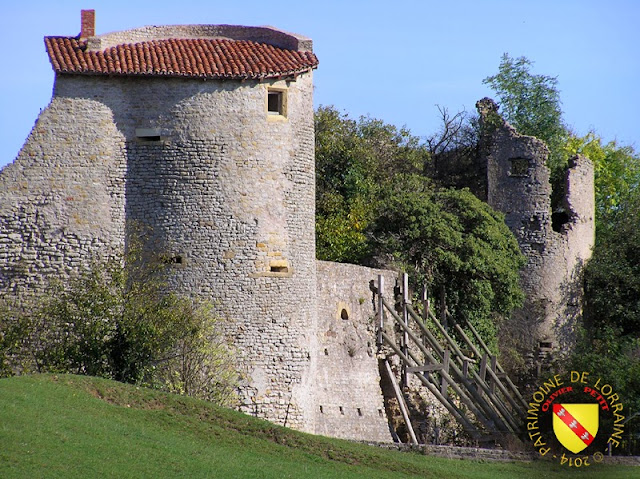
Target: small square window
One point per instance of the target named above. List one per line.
(276, 103)
(274, 106)
(519, 167)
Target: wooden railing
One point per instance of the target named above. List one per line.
(473, 387)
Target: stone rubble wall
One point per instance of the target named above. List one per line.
(348, 393)
(62, 199)
(556, 247)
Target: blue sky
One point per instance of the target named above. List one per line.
(391, 60)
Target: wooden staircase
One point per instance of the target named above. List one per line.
(471, 385)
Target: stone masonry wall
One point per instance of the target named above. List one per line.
(556, 245)
(62, 199)
(269, 35)
(348, 394)
(226, 191)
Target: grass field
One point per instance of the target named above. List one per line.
(80, 427)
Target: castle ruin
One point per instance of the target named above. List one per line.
(204, 134)
(557, 244)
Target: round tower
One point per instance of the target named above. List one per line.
(217, 134)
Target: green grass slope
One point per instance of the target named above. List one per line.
(71, 426)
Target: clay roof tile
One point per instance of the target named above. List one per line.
(207, 58)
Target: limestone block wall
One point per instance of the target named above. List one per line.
(225, 191)
(62, 199)
(347, 391)
(229, 196)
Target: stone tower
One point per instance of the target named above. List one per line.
(202, 134)
(556, 244)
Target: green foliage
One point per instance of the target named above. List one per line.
(353, 159)
(612, 276)
(375, 206)
(610, 342)
(449, 239)
(115, 320)
(531, 103)
(605, 353)
(617, 176)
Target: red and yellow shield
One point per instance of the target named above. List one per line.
(576, 425)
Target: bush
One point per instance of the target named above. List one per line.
(119, 322)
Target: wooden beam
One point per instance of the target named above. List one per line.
(426, 368)
(455, 412)
(405, 319)
(380, 308)
(401, 402)
(445, 368)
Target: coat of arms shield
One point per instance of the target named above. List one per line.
(576, 425)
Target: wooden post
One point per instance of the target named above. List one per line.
(425, 303)
(445, 368)
(425, 310)
(443, 308)
(492, 386)
(483, 369)
(405, 319)
(380, 309)
(401, 402)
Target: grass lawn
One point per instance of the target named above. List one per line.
(79, 427)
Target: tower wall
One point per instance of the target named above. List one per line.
(62, 199)
(224, 191)
(556, 245)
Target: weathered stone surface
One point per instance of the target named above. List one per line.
(225, 192)
(556, 245)
(348, 394)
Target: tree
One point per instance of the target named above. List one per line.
(353, 160)
(609, 345)
(617, 177)
(448, 239)
(531, 103)
(376, 206)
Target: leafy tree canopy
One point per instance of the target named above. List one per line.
(375, 206)
(353, 160)
(450, 240)
(617, 177)
(531, 103)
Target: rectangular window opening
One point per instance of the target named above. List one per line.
(275, 103)
(148, 134)
(172, 259)
(279, 269)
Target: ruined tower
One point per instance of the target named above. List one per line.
(556, 244)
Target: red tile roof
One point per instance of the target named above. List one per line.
(201, 58)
